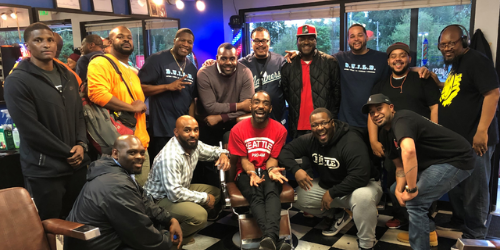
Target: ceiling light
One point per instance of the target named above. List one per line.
(200, 5)
(179, 4)
(13, 15)
(4, 17)
(158, 2)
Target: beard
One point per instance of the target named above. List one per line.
(455, 62)
(363, 46)
(120, 50)
(187, 145)
(407, 66)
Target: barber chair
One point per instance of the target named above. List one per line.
(21, 228)
(250, 233)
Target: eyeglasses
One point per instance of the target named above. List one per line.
(256, 41)
(322, 124)
(450, 45)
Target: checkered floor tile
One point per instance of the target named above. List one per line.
(307, 234)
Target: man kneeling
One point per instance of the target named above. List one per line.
(347, 179)
(112, 201)
(257, 142)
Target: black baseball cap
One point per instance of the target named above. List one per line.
(375, 99)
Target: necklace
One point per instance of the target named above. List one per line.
(400, 86)
(183, 66)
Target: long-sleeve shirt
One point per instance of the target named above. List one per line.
(219, 94)
(173, 171)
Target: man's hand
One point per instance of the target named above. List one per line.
(175, 229)
(77, 157)
(275, 175)
(208, 62)
(255, 180)
(378, 149)
(303, 179)
(178, 84)
(290, 54)
(223, 162)
(211, 202)
(213, 120)
(399, 197)
(424, 72)
(139, 106)
(480, 142)
(407, 196)
(244, 105)
(325, 201)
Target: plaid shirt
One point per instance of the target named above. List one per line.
(173, 170)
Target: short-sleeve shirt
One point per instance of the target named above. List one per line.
(462, 97)
(358, 75)
(165, 107)
(256, 144)
(434, 143)
(416, 94)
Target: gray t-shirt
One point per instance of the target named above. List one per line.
(54, 76)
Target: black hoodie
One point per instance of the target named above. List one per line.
(112, 201)
(343, 163)
(50, 122)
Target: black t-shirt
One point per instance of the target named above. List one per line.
(358, 75)
(164, 108)
(434, 144)
(54, 76)
(462, 96)
(416, 94)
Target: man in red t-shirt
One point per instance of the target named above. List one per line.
(257, 142)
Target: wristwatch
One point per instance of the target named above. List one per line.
(84, 146)
(411, 190)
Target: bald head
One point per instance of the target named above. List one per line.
(451, 44)
(121, 41)
(59, 41)
(129, 152)
(185, 120)
(187, 132)
(124, 141)
(118, 30)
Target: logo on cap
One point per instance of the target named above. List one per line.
(369, 99)
(305, 29)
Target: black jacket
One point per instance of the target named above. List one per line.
(124, 214)
(50, 122)
(325, 86)
(343, 163)
(83, 64)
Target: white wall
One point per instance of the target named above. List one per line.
(487, 14)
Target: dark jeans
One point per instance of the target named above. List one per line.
(155, 146)
(264, 203)
(54, 197)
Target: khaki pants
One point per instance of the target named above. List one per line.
(191, 216)
(146, 167)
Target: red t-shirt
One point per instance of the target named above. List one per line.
(306, 101)
(256, 144)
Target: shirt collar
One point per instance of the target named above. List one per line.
(131, 175)
(179, 147)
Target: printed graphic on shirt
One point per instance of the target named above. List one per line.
(259, 146)
(173, 73)
(266, 79)
(451, 89)
(330, 162)
(361, 68)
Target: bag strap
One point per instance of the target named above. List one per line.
(117, 71)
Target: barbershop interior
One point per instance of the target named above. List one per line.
(131, 178)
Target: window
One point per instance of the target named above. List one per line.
(66, 32)
(430, 23)
(161, 34)
(11, 37)
(383, 27)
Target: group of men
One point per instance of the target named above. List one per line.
(190, 110)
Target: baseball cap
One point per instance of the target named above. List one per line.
(375, 99)
(396, 46)
(306, 30)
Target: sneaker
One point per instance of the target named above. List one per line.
(395, 223)
(433, 238)
(284, 246)
(336, 226)
(450, 226)
(267, 244)
(308, 215)
(371, 248)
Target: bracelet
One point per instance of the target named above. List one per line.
(250, 172)
(270, 169)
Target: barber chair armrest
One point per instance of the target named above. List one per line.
(71, 229)
(287, 194)
(223, 185)
(243, 117)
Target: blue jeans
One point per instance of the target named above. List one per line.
(473, 205)
(432, 183)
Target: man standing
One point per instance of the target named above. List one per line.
(43, 100)
(310, 81)
(107, 89)
(266, 70)
(430, 160)
(91, 45)
(468, 104)
(112, 201)
(169, 78)
(170, 180)
(225, 90)
(347, 179)
(257, 143)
